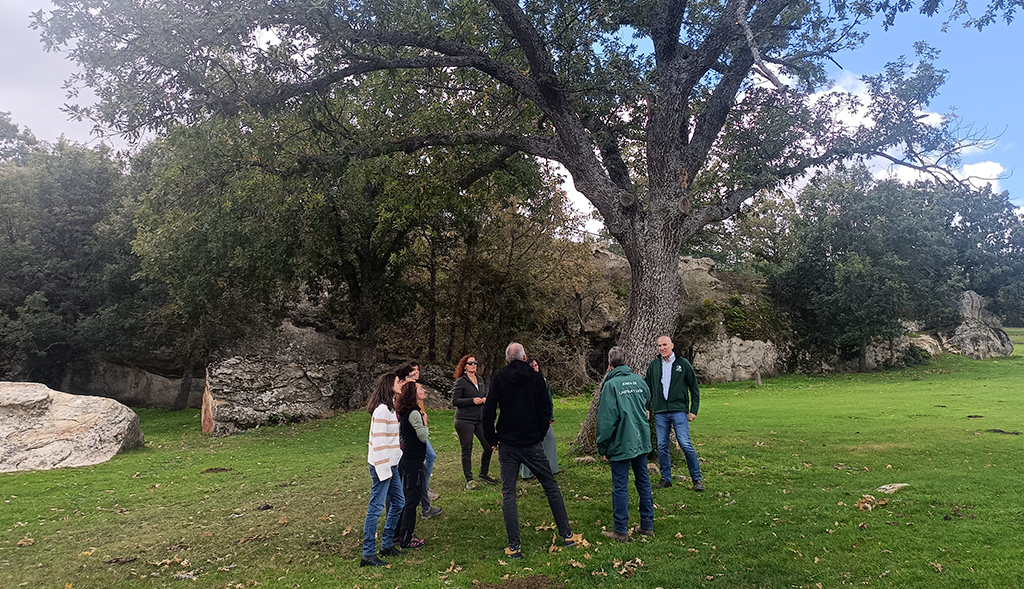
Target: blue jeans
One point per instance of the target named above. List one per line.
(392, 490)
(511, 458)
(620, 493)
(428, 469)
(678, 420)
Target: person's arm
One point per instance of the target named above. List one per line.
(491, 413)
(416, 421)
(607, 418)
(460, 398)
(694, 388)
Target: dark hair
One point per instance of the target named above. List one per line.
(406, 369)
(617, 356)
(461, 368)
(383, 392)
(407, 400)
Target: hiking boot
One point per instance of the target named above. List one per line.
(643, 532)
(429, 513)
(371, 561)
(514, 553)
(698, 485)
(615, 535)
(488, 480)
(472, 485)
(392, 551)
(663, 483)
(573, 540)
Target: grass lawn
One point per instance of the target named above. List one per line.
(785, 466)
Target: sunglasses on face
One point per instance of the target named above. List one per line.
(470, 363)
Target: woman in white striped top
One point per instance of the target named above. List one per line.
(383, 455)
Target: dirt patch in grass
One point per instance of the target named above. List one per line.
(870, 448)
(531, 582)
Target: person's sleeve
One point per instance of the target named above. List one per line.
(544, 405)
(694, 388)
(607, 418)
(459, 398)
(491, 413)
(416, 421)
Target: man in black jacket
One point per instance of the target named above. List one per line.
(519, 399)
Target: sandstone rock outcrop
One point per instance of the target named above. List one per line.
(733, 359)
(981, 334)
(41, 429)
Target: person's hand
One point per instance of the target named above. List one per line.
(478, 400)
(691, 416)
(605, 458)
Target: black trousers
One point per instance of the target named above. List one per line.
(467, 430)
(412, 485)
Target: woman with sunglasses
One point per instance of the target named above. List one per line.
(468, 396)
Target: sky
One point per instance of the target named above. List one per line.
(985, 83)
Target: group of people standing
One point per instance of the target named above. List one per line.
(514, 417)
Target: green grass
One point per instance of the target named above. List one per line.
(784, 465)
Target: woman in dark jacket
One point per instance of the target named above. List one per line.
(468, 396)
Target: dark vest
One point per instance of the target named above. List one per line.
(413, 450)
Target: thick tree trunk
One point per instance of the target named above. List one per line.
(655, 293)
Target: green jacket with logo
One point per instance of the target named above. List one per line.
(623, 432)
(683, 392)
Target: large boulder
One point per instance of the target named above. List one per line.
(41, 429)
(731, 359)
(980, 335)
(132, 385)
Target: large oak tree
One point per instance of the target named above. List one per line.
(661, 142)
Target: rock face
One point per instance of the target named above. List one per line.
(733, 359)
(981, 334)
(41, 429)
(130, 385)
(299, 375)
(250, 391)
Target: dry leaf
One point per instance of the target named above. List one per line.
(283, 520)
(26, 541)
(576, 563)
(937, 566)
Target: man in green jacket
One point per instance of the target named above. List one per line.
(624, 439)
(675, 398)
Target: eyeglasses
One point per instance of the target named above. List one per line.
(470, 363)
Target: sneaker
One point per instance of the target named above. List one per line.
(415, 543)
(662, 484)
(643, 532)
(572, 540)
(371, 561)
(488, 480)
(698, 485)
(429, 513)
(392, 551)
(432, 495)
(615, 535)
(514, 553)
(472, 485)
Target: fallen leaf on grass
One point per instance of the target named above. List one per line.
(452, 568)
(121, 560)
(576, 563)
(346, 531)
(26, 541)
(598, 574)
(936, 566)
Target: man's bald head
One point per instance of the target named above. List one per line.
(665, 346)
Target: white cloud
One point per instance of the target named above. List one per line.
(983, 173)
